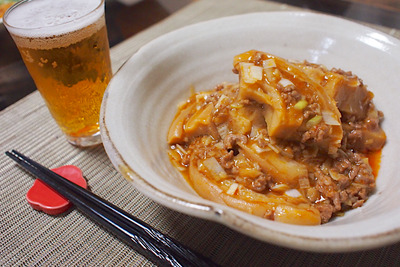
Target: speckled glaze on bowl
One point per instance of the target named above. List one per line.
(141, 101)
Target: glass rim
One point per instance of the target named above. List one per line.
(19, 3)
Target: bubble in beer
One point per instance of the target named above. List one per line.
(30, 19)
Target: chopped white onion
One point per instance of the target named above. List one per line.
(258, 149)
(219, 145)
(304, 183)
(220, 101)
(202, 96)
(279, 187)
(329, 118)
(256, 72)
(223, 130)
(250, 72)
(216, 170)
(232, 189)
(273, 148)
(181, 149)
(293, 193)
(269, 63)
(285, 82)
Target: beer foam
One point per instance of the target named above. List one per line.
(46, 18)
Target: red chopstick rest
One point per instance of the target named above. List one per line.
(44, 198)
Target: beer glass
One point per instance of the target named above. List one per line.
(65, 48)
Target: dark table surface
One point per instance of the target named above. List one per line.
(123, 21)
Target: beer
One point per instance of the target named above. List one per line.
(68, 60)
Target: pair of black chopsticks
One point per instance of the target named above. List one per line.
(148, 241)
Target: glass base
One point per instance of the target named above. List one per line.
(85, 141)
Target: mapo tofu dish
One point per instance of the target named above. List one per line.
(292, 142)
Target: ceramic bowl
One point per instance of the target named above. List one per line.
(141, 101)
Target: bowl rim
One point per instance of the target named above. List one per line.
(216, 212)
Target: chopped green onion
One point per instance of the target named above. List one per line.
(314, 121)
(301, 104)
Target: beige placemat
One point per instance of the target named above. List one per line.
(32, 238)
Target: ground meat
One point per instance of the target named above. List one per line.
(355, 167)
(339, 192)
(199, 150)
(325, 185)
(258, 57)
(219, 87)
(353, 136)
(269, 214)
(289, 93)
(315, 134)
(263, 138)
(332, 183)
(355, 195)
(326, 210)
(311, 110)
(342, 164)
(358, 204)
(348, 74)
(354, 130)
(230, 140)
(261, 183)
(185, 159)
(226, 160)
(213, 98)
